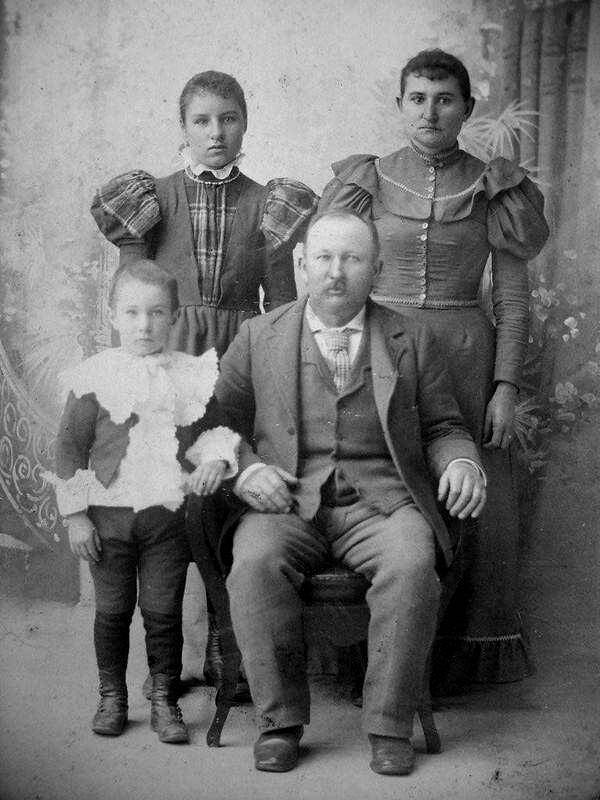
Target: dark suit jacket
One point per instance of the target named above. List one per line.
(258, 391)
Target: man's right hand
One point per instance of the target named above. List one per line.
(266, 489)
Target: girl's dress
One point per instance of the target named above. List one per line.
(438, 219)
(224, 241)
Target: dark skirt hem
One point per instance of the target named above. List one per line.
(459, 661)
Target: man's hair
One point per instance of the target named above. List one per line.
(436, 65)
(211, 82)
(346, 213)
(145, 271)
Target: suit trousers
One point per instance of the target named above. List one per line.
(272, 553)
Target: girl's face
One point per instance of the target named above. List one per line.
(214, 128)
(142, 314)
(433, 111)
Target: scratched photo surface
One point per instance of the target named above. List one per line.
(90, 90)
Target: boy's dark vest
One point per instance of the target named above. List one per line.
(171, 245)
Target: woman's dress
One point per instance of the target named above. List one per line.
(438, 219)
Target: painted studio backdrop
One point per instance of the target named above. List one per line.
(90, 89)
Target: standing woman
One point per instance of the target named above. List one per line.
(221, 234)
(440, 212)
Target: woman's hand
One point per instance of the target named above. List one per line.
(500, 417)
(207, 478)
(83, 537)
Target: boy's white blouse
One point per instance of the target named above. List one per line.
(164, 390)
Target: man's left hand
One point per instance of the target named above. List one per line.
(462, 487)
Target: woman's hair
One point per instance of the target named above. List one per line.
(436, 65)
(211, 82)
(145, 271)
(346, 213)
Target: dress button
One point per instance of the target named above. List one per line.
(425, 225)
(423, 237)
(431, 169)
(432, 178)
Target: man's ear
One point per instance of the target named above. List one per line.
(399, 103)
(377, 267)
(470, 105)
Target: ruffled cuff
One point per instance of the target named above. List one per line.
(289, 205)
(126, 207)
(217, 444)
(72, 494)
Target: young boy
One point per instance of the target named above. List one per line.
(128, 433)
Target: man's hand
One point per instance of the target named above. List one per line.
(266, 489)
(463, 488)
(500, 417)
(83, 537)
(206, 478)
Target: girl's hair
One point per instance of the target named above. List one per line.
(436, 65)
(211, 82)
(145, 271)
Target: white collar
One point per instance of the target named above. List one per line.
(357, 323)
(220, 173)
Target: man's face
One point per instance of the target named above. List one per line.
(338, 268)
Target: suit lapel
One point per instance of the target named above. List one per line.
(388, 345)
(282, 362)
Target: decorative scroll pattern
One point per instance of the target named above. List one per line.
(27, 440)
(28, 433)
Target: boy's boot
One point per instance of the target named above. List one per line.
(111, 716)
(165, 715)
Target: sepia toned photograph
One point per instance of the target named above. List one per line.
(300, 400)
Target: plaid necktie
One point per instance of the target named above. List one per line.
(338, 343)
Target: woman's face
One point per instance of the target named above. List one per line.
(433, 111)
(214, 128)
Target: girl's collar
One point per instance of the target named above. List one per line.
(194, 170)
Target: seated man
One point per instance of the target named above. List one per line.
(350, 417)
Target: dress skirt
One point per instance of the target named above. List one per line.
(481, 635)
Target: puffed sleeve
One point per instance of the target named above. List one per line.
(517, 230)
(515, 218)
(125, 210)
(354, 185)
(288, 207)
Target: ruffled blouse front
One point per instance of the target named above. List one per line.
(163, 392)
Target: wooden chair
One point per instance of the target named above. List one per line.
(335, 610)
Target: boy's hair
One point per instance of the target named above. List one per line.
(436, 65)
(211, 82)
(145, 271)
(346, 213)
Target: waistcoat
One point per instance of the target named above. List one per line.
(342, 433)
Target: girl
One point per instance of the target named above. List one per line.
(127, 440)
(225, 238)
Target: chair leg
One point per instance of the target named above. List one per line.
(225, 697)
(433, 742)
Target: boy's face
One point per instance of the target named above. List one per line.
(142, 315)
(214, 128)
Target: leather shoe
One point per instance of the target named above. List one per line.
(391, 756)
(277, 750)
